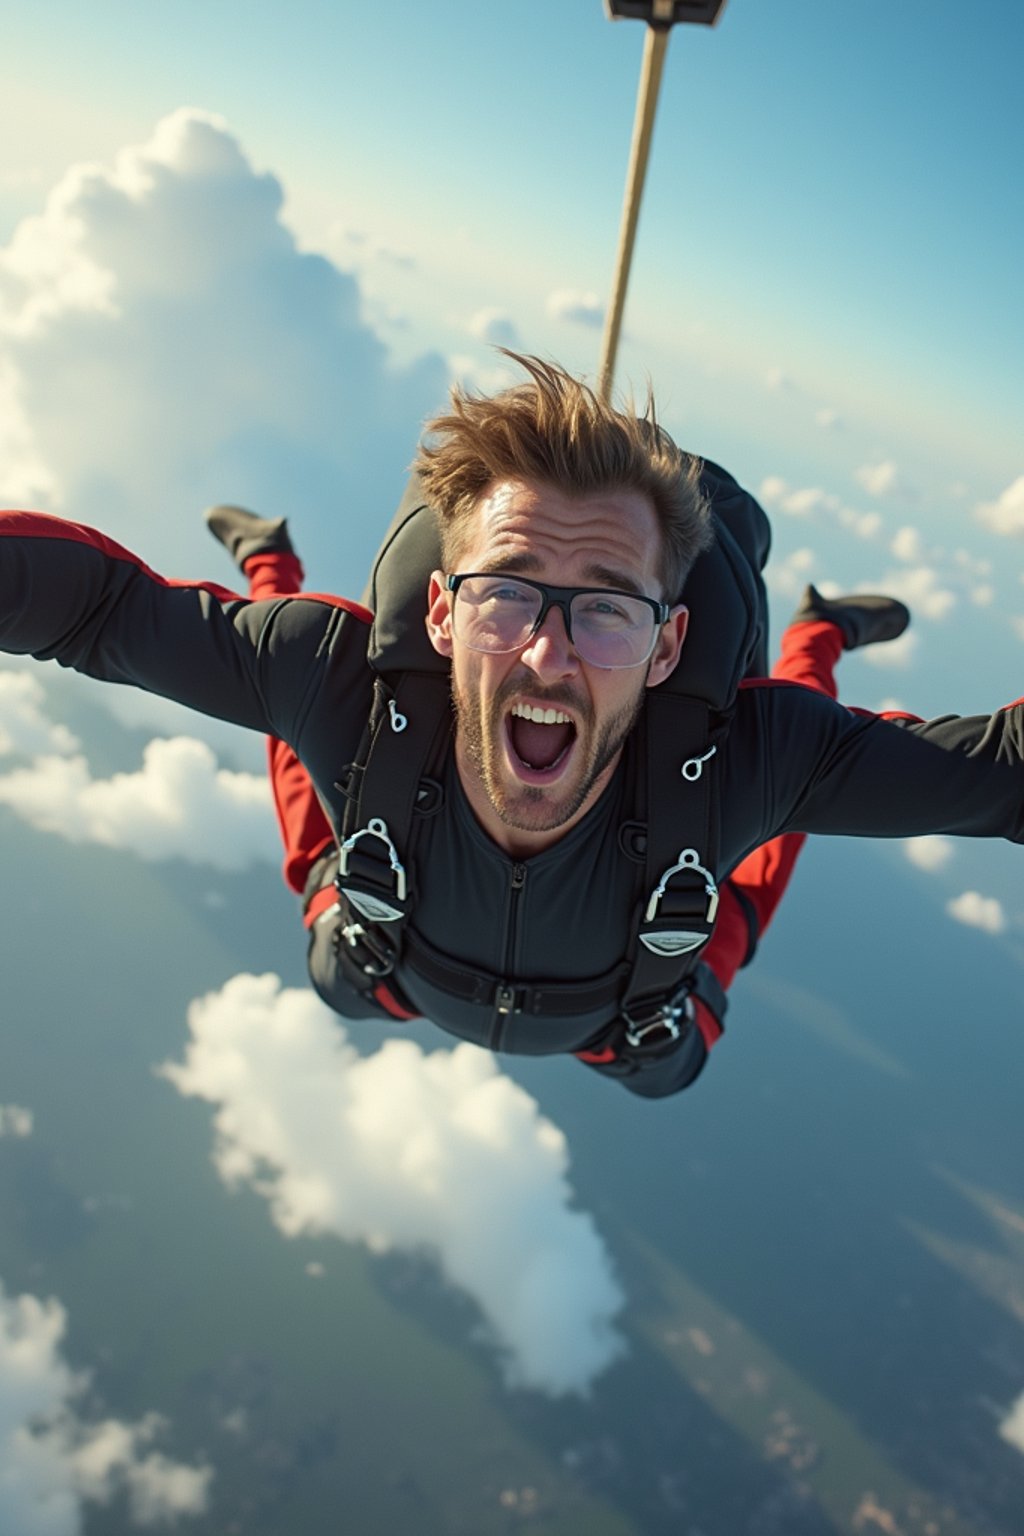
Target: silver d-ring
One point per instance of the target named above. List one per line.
(694, 766)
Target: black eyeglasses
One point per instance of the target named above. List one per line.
(609, 629)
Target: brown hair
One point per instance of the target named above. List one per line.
(554, 429)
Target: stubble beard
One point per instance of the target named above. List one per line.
(534, 808)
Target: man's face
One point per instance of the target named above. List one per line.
(529, 781)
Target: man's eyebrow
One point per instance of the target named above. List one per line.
(527, 564)
(512, 565)
(608, 576)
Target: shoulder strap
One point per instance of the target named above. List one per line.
(678, 777)
(405, 739)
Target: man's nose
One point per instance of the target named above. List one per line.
(549, 652)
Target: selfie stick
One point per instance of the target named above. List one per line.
(661, 16)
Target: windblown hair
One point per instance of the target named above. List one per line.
(554, 430)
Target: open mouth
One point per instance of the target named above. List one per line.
(540, 741)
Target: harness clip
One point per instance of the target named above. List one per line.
(370, 906)
(680, 941)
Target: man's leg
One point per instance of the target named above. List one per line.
(262, 549)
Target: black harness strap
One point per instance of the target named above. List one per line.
(409, 730)
(555, 998)
(677, 779)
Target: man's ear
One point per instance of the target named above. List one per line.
(669, 644)
(439, 615)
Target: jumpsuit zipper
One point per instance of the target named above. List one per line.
(505, 996)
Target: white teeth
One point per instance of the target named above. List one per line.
(541, 716)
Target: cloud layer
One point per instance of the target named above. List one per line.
(438, 1152)
(52, 1460)
(180, 804)
(165, 344)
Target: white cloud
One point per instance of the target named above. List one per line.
(778, 379)
(581, 308)
(486, 378)
(930, 852)
(1017, 625)
(438, 1152)
(973, 564)
(1006, 514)
(24, 479)
(15, 1120)
(139, 710)
(495, 327)
(829, 419)
(1012, 1427)
(179, 805)
(921, 589)
(895, 655)
(978, 912)
(24, 728)
(803, 502)
(878, 479)
(908, 545)
(788, 577)
(27, 723)
(167, 282)
(52, 1460)
(772, 489)
(983, 596)
(866, 525)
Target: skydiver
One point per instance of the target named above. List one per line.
(820, 630)
(544, 877)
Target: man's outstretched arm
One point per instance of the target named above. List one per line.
(827, 769)
(73, 595)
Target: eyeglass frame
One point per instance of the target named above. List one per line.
(562, 598)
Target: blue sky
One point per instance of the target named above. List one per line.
(831, 192)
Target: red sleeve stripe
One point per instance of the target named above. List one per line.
(39, 525)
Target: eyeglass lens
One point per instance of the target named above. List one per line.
(607, 629)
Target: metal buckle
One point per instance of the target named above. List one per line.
(680, 941)
(374, 908)
(661, 1027)
(362, 942)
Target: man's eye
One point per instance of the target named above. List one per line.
(605, 608)
(506, 595)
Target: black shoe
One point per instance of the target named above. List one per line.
(863, 618)
(243, 534)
